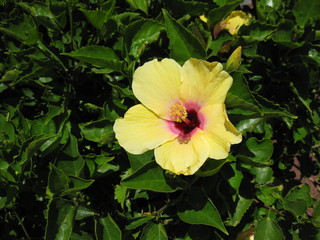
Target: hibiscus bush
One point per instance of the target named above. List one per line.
(68, 73)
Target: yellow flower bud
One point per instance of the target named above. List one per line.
(234, 61)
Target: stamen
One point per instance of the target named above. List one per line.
(178, 112)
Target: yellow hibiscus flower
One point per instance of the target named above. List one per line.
(182, 115)
(232, 23)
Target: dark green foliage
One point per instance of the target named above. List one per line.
(65, 76)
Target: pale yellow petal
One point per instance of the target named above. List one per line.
(234, 136)
(219, 130)
(204, 83)
(156, 84)
(141, 130)
(218, 123)
(183, 158)
(219, 148)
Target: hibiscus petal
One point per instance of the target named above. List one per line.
(141, 130)
(219, 130)
(157, 85)
(204, 83)
(183, 158)
(234, 136)
(219, 147)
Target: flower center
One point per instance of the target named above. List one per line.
(178, 112)
(190, 122)
(185, 121)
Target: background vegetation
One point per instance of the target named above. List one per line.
(65, 76)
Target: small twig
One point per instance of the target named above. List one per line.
(22, 226)
(270, 208)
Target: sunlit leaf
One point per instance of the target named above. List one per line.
(183, 44)
(154, 231)
(266, 229)
(98, 56)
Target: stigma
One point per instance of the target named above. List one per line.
(178, 112)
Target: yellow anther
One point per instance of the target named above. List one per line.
(178, 112)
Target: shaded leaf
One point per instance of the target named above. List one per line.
(197, 208)
(107, 229)
(305, 13)
(152, 177)
(211, 167)
(61, 215)
(137, 161)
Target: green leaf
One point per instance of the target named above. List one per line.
(267, 11)
(61, 214)
(262, 174)
(29, 148)
(305, 13)
(100, 131)
(137, 222)
(58, 181)
(41, 126)
(140, 4)
(298, 200)
(11, 75)
(76, 184)
(83, 212)
(316, 215)
(154, 231)
(26, 31)
(137, 161)
(257, 31)
(266, 229)
(183, 44)
(284, 32)
(236, 178)
(299, 134)
(266, 195)
(7, 131)
(140, 34)
(98, 56)
(42, 14)
(152, 177)
(197, 208)
(100, 16)
(211, 167)
(261, 149)
(107, 229)
(216, 44)
(69, 159)
(120, 194)
(242, 206)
